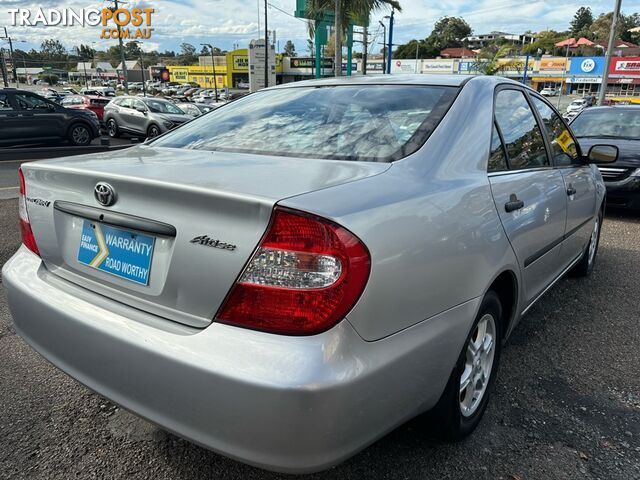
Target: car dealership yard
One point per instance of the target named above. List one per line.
(567, 402)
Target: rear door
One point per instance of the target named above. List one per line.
(529, 193)
(578, 178)
(8, 119)
(38, 117)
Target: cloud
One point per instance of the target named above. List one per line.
(228, 23)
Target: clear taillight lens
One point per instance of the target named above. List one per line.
(304, 277)
(28, 239)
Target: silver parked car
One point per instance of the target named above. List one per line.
(146, 116)
(288, 278)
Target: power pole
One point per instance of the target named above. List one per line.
(365, 43)
(3, 68)
(337, 33)
(13, 61)
(384, 50)
(607, 60)
(122, 58)
(266, 47)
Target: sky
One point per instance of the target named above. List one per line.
(226, 23)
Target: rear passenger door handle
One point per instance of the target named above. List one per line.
(513, 204)
(571, 190)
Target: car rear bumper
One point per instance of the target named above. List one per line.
(291, 404)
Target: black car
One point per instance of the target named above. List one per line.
(619, 126)
(29, 118)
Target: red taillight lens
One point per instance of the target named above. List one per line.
(25, 227)
(304, 277)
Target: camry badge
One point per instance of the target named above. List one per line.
(210, 242)
(105, 194)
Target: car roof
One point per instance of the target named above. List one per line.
(413, 79)
(617, 107)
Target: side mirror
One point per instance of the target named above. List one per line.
(603, 154)
(142, 110)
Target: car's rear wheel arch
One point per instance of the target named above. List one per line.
(505, 285)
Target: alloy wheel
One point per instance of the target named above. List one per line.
(478, 365)
(80, 135)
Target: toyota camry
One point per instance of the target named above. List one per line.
(290, 277)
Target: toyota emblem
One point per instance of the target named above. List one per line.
(105, 194)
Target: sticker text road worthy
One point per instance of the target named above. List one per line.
(119, 252)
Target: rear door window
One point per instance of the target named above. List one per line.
(563, 145)
(5, 103)
(521, 133)
(28, 101)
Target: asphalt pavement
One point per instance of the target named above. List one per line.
(566, 403)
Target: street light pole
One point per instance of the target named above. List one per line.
(384, 50)
(213, 68)
(607, 60)
(266, 47)
(390, 41)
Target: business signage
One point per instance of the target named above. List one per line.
(375, 66)
(437, 66)
(354, 66)
(625, 66)
(241, 63)
(310, 62)
(577, 79)
(552, 65)
(468, 67)
(404, 66)
(513, 66)
(257, 56)
(587, 66)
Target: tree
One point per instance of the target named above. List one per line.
(205, 50)
(581, 23)
(132, 50)
(85, 52)
(448, 32)
(188, 50)
(488, 62)
(52, 49)
(602, 26)
(359, 10)
(290, 49)
(545, 43)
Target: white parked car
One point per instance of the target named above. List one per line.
(548, 92)
(577, 105)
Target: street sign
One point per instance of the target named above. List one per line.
(256, 65)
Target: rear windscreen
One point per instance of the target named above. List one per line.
(352, 122)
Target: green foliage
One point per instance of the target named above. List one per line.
(488, 62)
(545, 43)
(290, 49)
(448, 32)
(581, 23)
(49, 78)
(602, 26)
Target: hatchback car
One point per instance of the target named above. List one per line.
(619, 126)
(548, 92)
(577, 105)
(288, 278)
(28, 118)
(144, 116)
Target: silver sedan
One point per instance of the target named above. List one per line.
(290, 277)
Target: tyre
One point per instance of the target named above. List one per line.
(585, 266)
(461, 406)
(80, 135)
(112, 128)
(153, 131)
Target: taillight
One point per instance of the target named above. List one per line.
(304, 277)
(25, 227)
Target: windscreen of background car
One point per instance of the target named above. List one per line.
(368, 123)
(609, 122)
(163, 107)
